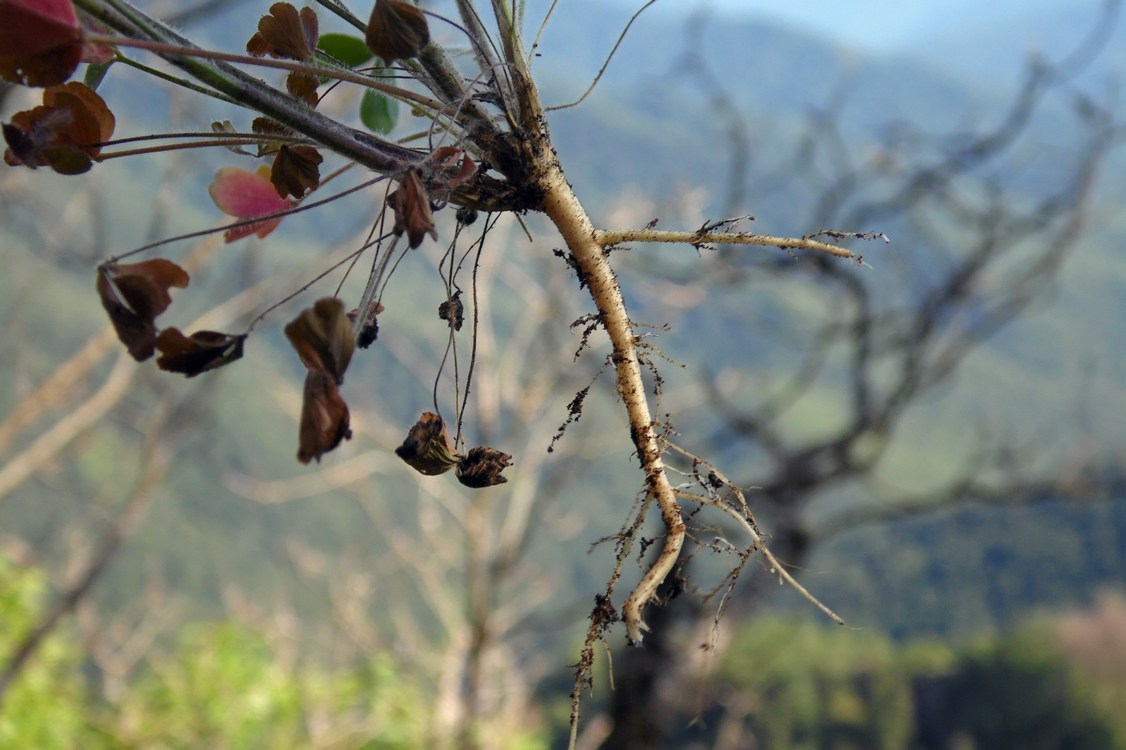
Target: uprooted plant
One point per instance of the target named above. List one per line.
(486, 149)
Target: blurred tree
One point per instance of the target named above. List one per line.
(980, 241)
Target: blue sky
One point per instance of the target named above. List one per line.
(878, 25)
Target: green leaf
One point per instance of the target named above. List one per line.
(378, 112)
(95, 72)
(349, 50)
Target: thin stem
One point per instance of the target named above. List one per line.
(247, 222)
(173, 79)
(224, 142)
(605, 64)
(233, 138)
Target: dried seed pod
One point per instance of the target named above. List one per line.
(453, 311)
(427, 446)
(482, 467)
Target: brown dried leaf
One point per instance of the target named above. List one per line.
(482, 467)
(412, 209)
(63, 133)
(200, 352)
(296, 171)
(303, 86)
(134, 294)
(267, 126)
(285, 33)
(396, 31)
(427, 446)
(323, 338)
(324, 418)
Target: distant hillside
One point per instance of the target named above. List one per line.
(647, 126)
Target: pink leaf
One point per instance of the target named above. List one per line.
(247, 195)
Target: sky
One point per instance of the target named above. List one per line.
(877, 25)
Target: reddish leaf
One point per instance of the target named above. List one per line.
(427, 446)
(134, 294)
(296, 171)
(482, 467)
(324, 418)
(247, 195)
(396, 31)
(303, 86)
(285, 33)
(200, 352)
(323, 338)
(40, 41)
(63, 133)
(412, 209)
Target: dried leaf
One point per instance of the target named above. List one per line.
(40, 41)
(134, 294)
(268, 126)
(453, 311)
(285, 33)
(482, 467)
(63, 133)
(396, 31)
(427, 446)
(455, 164)
(412, 209)
(200, 352)
(323, 338)
(248, 195)
(324, 418)
(296, 171)
(303, 86)
(225, 127)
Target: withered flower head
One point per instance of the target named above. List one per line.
(482, 467)
(396, 30)
(324, 418)
(427, 446)
(63, 133)
(285, 33)
(412, 209)
(200, 352)
(323, 338)
(134, 294)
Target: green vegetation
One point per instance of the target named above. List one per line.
(218, 685)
